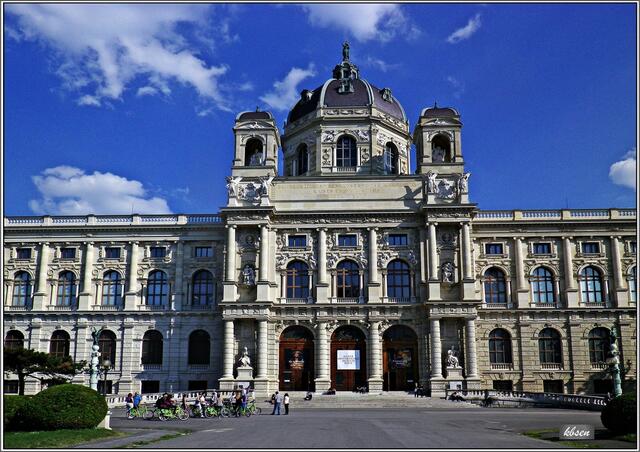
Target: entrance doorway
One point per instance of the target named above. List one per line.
(348, 358)
(400, 362)
(296, 359)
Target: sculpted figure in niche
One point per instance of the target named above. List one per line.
(463, 183)
(265, 185)
(248, 275)
(438, 155)
(431, 182)
(245, 360)
(256, 159)
(447, 272)
(233, 183)
(452, 359)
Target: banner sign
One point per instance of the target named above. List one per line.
(348, 360)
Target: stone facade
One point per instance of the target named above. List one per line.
(345, 253)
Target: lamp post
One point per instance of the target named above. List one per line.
(614, 363)
(106, 365)
(95, 354)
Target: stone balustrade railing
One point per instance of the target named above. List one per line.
(111, 220)
(564, 214)
(542, 399)
(118, 400)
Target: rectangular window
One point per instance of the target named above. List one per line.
(157, 251)
(204, 251)
(503, 385)
(347, 240)
(590, 247)
(67, 253)
(101, 383)
(11, 386)
(493, 248)
(112, 253)
(297, 241)
(553, 386)
(150, 386)
(634, 247)
(542, 248)
(23, 253)
(398, 240)
(197, 385)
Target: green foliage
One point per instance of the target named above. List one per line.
(57, 439)
(26, 362)
(12, 404)
(620, 414)
(66, 406)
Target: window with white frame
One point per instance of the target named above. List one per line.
(203, 251)
(23, 253)
(297, 241)
(347, 240)
(493, 248)
(112, 252)
(590, 248)
(397, 240)
(541, 248)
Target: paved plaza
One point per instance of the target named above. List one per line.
(412, 427)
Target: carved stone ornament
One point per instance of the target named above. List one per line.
(446, 189)
(328, 136)
(326, 156)
(447, 272)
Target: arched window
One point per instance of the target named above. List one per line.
(500, 347)
(199, 347)
(346, 152)
(495, 286)
(398, 279)
(21, 289)
(66, 289)
(14, 340)
(253, 155)
(633, 283)
(542, 286)
(302, 160)
(599, 341)
(107, 344)
(549, 346)
(348, 279)
(591, 285)
(112, 288)
(297, 280)
(390, 159)
(157, 289)
(152, 347)
(441, 149)
(202, 294)
(59, 344)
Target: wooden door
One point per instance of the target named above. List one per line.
(352, 341)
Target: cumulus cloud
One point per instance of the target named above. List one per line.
(285, 92)
(364, 21)
(465, 32)
(457, 86)
(103, 48)
(67, 190)
(624, 171)
(381, 65)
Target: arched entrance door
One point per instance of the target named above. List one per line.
(400, 363)
(348, 358)
(296, 360)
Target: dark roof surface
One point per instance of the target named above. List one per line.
(253, 115)
(437, 112)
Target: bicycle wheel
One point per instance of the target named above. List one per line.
(225, 412)
(162, 415)
(209, 412)
(257, 410)
(149, 414)
(182, 415)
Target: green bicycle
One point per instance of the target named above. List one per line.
(168, 413)
(216, 411)
(253, 409)
(140, 412)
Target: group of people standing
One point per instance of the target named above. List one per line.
(277, 400)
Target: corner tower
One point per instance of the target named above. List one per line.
(256, 145)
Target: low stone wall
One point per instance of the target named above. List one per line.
(489, 397)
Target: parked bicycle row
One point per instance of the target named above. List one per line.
(240, 403)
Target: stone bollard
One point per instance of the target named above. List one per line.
(105, 422)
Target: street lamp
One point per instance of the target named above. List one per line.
(614, 363)
(106, 365)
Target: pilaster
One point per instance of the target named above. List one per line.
(40, 296)
(375, 355)
(131, 297)
(323, 382)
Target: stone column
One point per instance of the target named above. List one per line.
(568, 264)
(263, 348)
(323, 381)
(433, 246)
(179, 292)
(227, 371)
(466, 247)
(322, 256)
(129, 357)
(132, 292)
(423, 257)
(40, 295)
(615, 257)
(436, 349)
(472, 362)
(373, 256)
(520, 281)
(264, 253)
(231, 253)
(84, 297)
(375, 358)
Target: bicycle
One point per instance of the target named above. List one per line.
(173, 413)
(216, 411)
(253, 409)
(141, 412)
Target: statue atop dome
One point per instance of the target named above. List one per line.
(345, 51)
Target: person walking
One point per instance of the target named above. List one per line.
(137, 398)
(286, 403)
(276, 403)
(129, 403)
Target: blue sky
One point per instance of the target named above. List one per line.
(112, 108)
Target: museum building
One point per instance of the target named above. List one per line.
(345, 271)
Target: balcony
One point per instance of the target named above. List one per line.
(350, 300)
(599, 366)
(346, 169)
(496, 305)
(198, 367)
(296, 300)
(501, 366)
(197, 307)
(551, 366)
(17, 308)
(151, 367)
(398, 300)
(68, 307)
(107, 307)
(153, 307)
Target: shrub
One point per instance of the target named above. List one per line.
(619, 415)
(66, 406)
(12, 404)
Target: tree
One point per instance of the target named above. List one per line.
(29, 363)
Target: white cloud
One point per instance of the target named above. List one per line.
(364, 21)
(102, 48)
(457, 85)
(382, 66)
(67, 190)
(465, 32)
(624, 171)
(285, 92)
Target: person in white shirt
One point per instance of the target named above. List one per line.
(286, 403)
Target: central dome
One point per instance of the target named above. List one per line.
(346, 89)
